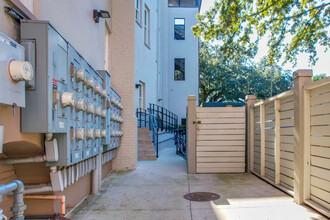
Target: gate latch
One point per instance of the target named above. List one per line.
(196, 122)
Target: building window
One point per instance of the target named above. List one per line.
(147, 26)
(142, 95)
(179, 28)
(179, 64)
(138, 14)
(184, 3)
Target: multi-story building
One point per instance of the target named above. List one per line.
(166, 53)
(180, 54)
(148, 49)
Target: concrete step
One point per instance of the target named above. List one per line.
(146, 146)
(144, 135)
(144, 142)
(147, 157)
(143, 130)
(144, 138)
(142, 152)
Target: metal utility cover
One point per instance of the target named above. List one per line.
(201, 196)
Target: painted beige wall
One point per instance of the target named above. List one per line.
(122, 77)
(17, 144)
(75, 22)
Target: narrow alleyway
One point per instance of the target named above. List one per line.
(155, 191)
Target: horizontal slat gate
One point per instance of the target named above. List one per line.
(319, 146)
(220, 140)
(286, 142)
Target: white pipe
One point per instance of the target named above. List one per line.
(36, 190)
(94, 182)
(99, 167)
(36, 159)
(65, 177)
(49, 136)
(96, 175)
(72, 174)
(69, 176)
(39, 190)
(36, 186)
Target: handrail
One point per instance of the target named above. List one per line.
(153, 127)
(156, 118)
(166, 119)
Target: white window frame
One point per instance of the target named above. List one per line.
(146, 26)
(142, 95)
(138, 14)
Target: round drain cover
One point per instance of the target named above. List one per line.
(201, 196)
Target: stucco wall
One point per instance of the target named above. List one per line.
(75, 22)
(15, 143)
(176, 92)
(146, 58)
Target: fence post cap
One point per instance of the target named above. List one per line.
(191, 97)
(302, 72)
(250, 97)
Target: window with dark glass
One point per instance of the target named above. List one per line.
(147, 26)
(189, 3)
(179, 28)
(179, 64)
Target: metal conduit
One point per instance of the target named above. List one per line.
(17, 187)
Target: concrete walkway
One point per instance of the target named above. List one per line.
(155, 191)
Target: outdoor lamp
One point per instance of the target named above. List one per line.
(100, 13)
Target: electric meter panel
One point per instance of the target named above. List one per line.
(14, 71)
(115, 120)
(69, 98)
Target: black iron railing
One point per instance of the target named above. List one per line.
(143, 118)
(166, 120)
(153, 127)
(157, 119)
(180, 142)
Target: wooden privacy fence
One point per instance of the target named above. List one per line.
(289, 141)
(218, 134)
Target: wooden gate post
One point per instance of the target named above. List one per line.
(191, 135)
(300, 78)
(250, 100)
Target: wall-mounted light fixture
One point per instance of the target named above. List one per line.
(100, 13)
(137, 85)
(14, 13)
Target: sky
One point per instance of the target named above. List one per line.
(322, 66)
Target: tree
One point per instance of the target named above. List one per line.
(292, 27)
(320, 76)
(229, 80)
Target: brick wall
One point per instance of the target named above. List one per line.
(122, 76)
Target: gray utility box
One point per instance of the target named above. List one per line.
(115, 110)
(67, 98)
(11, 93)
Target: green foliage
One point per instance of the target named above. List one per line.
(320, 76)
(229, 80)
(292, 27)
